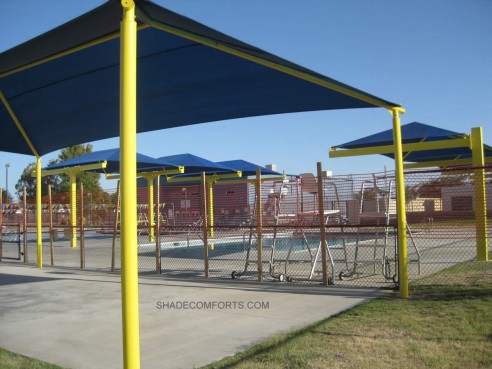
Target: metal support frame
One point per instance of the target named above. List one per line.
(128, 154)
(151, 177)
(158, 226)
(400, 204)
(397, 149)
(259, 225)
(480, 194)
(82, 247)
(474, 141)
(50, 206)
(210, 205)
(322, 230)
(38, 179)
(326, 83)
(210, 180)
(150, 191)
(74, 170)
(205, 224)
(1, 219)
(388, 149)
(73, 209)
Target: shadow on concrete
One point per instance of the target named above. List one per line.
(193, 282)
(9, 279)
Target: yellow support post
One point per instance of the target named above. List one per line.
(128, 154)
(73, 209)
(322, 230)
(205, 224)
(210, 203)
(150, 190)
(1, 227)
(400, 191)
(39, 212)
(480, 196)
(259, 225)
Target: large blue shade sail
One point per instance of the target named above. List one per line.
(247, 168)
(63, 97)
(112, 157)
(417, 132)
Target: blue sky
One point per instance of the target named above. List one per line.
(433, 57)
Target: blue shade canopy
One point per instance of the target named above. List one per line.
(417, 132)
(195, 165)
(64, 85)
(247, 168)
(112, 157)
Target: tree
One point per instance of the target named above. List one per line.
(89, 179)
(59, 183)
(29, 181)
(6, 197)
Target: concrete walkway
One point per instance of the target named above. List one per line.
(73, 318)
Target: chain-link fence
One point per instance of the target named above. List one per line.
(357, 214)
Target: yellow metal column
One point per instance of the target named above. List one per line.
(210, 185)
(322, 230)
(39, 212)
(150, 190)
(128, 153)
(259, 225)
(205, 224)
(480, 194)
(402, 217)
(73, 209)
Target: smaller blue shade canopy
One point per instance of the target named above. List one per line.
(248, 169)
(417, 132)
(112, 157)
(194, 164)
(411, 132)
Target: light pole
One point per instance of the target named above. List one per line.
(7, 166)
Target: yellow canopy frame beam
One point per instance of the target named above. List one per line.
(68, 52)
(443, 163)
(281, 68)
(153, 174)
(253, 181)
(212, 177)
(388, 149)
(39, 231)
(74, 170)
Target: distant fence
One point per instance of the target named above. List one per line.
(359, 221)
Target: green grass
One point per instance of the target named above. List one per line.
(446, 323)
(9, 360)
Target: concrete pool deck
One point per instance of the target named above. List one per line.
(73, 318)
